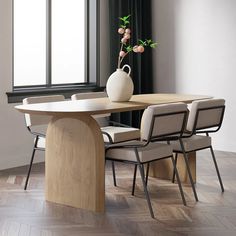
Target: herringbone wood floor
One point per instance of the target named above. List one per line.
(25, 213)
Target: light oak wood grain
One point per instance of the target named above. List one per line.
(164, 169)
(213, 215)
(103, 105)
(75, 163)
(164, 98)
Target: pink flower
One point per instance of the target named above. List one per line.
(124, 40)
(135, 48)
(122, 54)
(127, 36)
(121, 31)
(128, 31)
(140, 49)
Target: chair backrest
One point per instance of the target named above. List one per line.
(91, 95)
(160, 121)
(206, 114)
(32, 120)
(102, 118)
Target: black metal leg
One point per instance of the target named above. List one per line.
(146, 191)
(147, 173)
(113, 172)
(31, 162)
(176, 158)
(141, 169)
(217, 169)
(178, 180)
(134, 179)
(188, 170)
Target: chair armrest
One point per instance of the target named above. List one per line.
(109, 137)
(36, 133)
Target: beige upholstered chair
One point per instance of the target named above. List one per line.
(159, 123)
(113, 132)
(205, 117)
(37, 125)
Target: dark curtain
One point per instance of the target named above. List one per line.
(141, 64)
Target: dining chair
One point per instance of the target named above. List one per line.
(113, 132)
(205, 117)
(37, 124)
(159, 123)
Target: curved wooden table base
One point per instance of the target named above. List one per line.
(75, 163)
(164, 169)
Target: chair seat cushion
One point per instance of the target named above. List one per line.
(192, 143)
(151, 152)
(120, 134)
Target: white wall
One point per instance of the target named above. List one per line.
(15, 141)
(197, 54)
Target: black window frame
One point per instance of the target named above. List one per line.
(92, 70)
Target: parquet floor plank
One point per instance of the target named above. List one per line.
(26, 213)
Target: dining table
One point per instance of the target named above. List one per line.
(75, 153)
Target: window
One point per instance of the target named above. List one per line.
(29, 42)
(68, 41)
(51, 41)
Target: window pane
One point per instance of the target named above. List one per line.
(68, 41)
(29, 42)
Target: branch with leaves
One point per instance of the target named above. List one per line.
(125, 48)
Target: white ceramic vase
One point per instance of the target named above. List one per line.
(120, 86)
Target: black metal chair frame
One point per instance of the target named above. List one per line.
(37, 136)
(206, 130)
(114, 123)
(140, 165)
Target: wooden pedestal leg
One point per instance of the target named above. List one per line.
(75, 174)
(164, 169)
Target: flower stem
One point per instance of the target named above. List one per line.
(123, 57)
(119, 60)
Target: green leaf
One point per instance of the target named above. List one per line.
(153, 45)
(126, 22)
(145, 43)
(126, 17)
(129, 48)
(122, 19)
(141, 42)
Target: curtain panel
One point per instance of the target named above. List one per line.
(141, 64)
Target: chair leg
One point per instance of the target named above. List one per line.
(147, 173)
(145, 190)
(188, 170)
(217, 169)
(31, 162)
(176, 158)
(178, 180)
(141, 169)
(134, 179)
(113, 172)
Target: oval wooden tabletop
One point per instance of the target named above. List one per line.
(103, 105)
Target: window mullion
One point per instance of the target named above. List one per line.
(49, 44)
